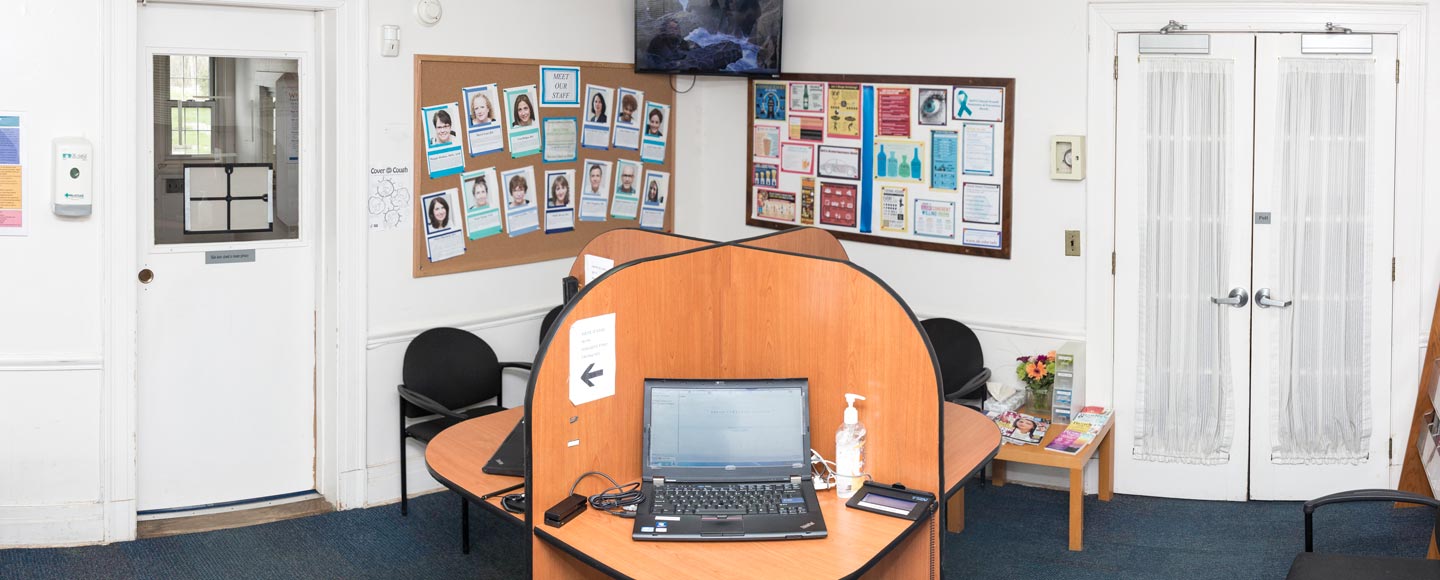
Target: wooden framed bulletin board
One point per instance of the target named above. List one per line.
(458, 228)
(916, 162)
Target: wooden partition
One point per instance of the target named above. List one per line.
(732, 312)
(630, 244)
(809, 241)
(1412, 474)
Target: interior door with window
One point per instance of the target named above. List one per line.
(1182, 269)
(226, 396)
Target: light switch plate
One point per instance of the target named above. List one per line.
(1072, 242)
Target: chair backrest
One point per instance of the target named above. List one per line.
(453, 367)
(548, 321)
(958, 350)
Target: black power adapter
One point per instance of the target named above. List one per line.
(566, 510)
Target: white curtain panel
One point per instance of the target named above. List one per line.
(1321, 397)
(1184, 396)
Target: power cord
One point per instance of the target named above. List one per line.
(514, 503)
(623, 503)
(823, 471)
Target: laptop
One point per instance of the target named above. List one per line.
(509, 459)
(727, 460)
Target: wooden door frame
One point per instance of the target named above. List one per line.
(341, 253)
(1407, 21)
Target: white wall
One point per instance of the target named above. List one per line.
(50, 299)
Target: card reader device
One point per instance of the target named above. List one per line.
(895, 501)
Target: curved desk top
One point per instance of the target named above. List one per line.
(858, 540)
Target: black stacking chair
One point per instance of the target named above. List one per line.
(446, 372)
(548, 321)
(1309, 565)
(962, 363)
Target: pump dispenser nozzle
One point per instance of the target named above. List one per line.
(852, 416)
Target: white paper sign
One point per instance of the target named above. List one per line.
(592, 359)
(596, 266)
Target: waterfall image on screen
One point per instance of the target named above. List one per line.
(720, 37)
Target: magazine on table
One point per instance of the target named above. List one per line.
(1083, 429)
(1019, 428)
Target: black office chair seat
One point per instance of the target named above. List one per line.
(1317, 566)
(429, 429)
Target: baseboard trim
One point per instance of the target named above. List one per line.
(49, 526)
(60, 361)
(384, 480)
(996, 327)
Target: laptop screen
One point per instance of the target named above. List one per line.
(727, 429)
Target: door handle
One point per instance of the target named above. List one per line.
(146, 276)
(1263, 300)
(1238, 298)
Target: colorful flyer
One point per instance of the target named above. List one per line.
(522, 214)
(797, 158)
(767, 141)
(893, 111)
(599, 108)
(898, 160)
(892, 207)
(769, 102)
(443, 236)
(981, 203)
(807, 98)
(628, 118)
(559, 201)
(627, 190)
(657, 129)
(843, 117)
(524, 130)
(838, 162)
(482, 203)
(594, 190)
(980, 104)
(559, 86)
(12, 192)
(561, 144)
(657, 196)
(807, 201)
(483, 127)
(765, 175)
(931, 106)
(979, 149)
(443, 153)
(775, 205)
(837, 204)
(934, 218)
(807, 128)
(944, 159)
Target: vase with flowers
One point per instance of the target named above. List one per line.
(1038, 374)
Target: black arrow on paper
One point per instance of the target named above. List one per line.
(591, 373)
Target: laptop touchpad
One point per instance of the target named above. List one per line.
(722, 526)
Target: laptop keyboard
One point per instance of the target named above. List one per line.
(728, 499)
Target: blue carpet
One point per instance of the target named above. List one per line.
(1011, 532)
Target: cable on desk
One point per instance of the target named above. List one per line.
(622, 503)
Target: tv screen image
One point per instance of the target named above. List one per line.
(712, 37)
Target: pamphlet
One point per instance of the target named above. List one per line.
(1083, 429)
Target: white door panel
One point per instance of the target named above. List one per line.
(226, 404)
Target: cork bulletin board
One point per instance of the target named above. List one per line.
(915, 162)
(441, 80)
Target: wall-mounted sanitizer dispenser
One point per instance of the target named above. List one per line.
(74, 179)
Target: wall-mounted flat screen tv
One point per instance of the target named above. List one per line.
(708, 37)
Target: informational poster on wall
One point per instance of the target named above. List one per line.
(12, 194)
(919, 162)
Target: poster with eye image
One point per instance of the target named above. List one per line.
(482, 203)
(899, 160)
(657, 130)
(443, 153)
(524, 121)
(775, 205)
(837, 204)
(655, 198)
(483, 130)
(628, 118)
(770, 101)
(444, 238)
(626, 205)
(594, 190)
(599, 108)
(807, 201)
(944, 157)
(842, 119)
(893, 200)
(767, 141)
(838, 162)
(522, 214)
(559, 201)
(932, 106)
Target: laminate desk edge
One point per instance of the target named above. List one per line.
(959, 485)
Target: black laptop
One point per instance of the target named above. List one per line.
(727, 460)
(509, 459)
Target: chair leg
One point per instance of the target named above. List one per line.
(464, 525)
(404, 498)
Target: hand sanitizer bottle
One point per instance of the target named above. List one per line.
(849, 450)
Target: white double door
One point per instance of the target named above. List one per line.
(1253, 166)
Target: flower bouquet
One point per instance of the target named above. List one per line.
(1038, 374)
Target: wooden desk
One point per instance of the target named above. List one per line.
(1037, 455)
(455, 458)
